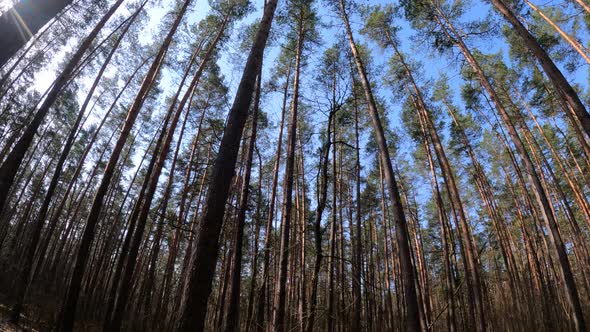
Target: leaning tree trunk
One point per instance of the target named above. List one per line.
(58, 210)
(584, 5)
(15, 157)
(69, 307)
(204, 258)
(126, 281)
(573, 43)
(20, 23)
(562, 86)
(25, 275)
(403, 238)
(475, 292)
(564, 271)
(232, 313)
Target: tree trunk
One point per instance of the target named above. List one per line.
(358, 246)
(38, 223)
(474, 283)
(558, 246)
(278, 318)
(14, 159)
(232, 313)
(564, 90)
(321, 205)
(254, 269)
(161, 157)
(271, 210)
(584, 5)
(204, 258)
(69, 308)
(413, 320)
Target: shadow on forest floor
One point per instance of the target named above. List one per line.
(6, 326)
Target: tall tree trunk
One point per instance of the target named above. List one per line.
(321, 205)
(474, 282)
(564, 90)
(166, 287)
(558, 246)
(161, 221)
(232, 318)
(255, 255)
(573, 43)
(15, 157)
(332, 241)
(204, 258)
(447, 245)
(485, 190)
(69, 308)
(58, 210)
(278, 317)
(271, 212)
(358, 246)
(25, 275)
(161, 156)
(412, 309)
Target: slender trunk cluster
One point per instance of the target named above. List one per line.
(135, 198)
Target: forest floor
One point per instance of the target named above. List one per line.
(7, 326)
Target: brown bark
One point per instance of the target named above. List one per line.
(574, 43)
(255, 255)
(358, 245)
(39, 221)
(271, 211)
(204, 258)
(321, 205)
(410, 295)
(474, 282)
(584, 5)
(278, 315)
(564, 90)
(68, 311)
(332, 241)
(59, 209)
(15, 157)
(558, 246)
(232, 318)
(162, 156)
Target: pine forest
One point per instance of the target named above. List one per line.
(294, 165)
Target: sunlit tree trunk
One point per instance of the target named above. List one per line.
(558, 246)
(562, 86)
(68, 310)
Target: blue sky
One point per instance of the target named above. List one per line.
(433, 65)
